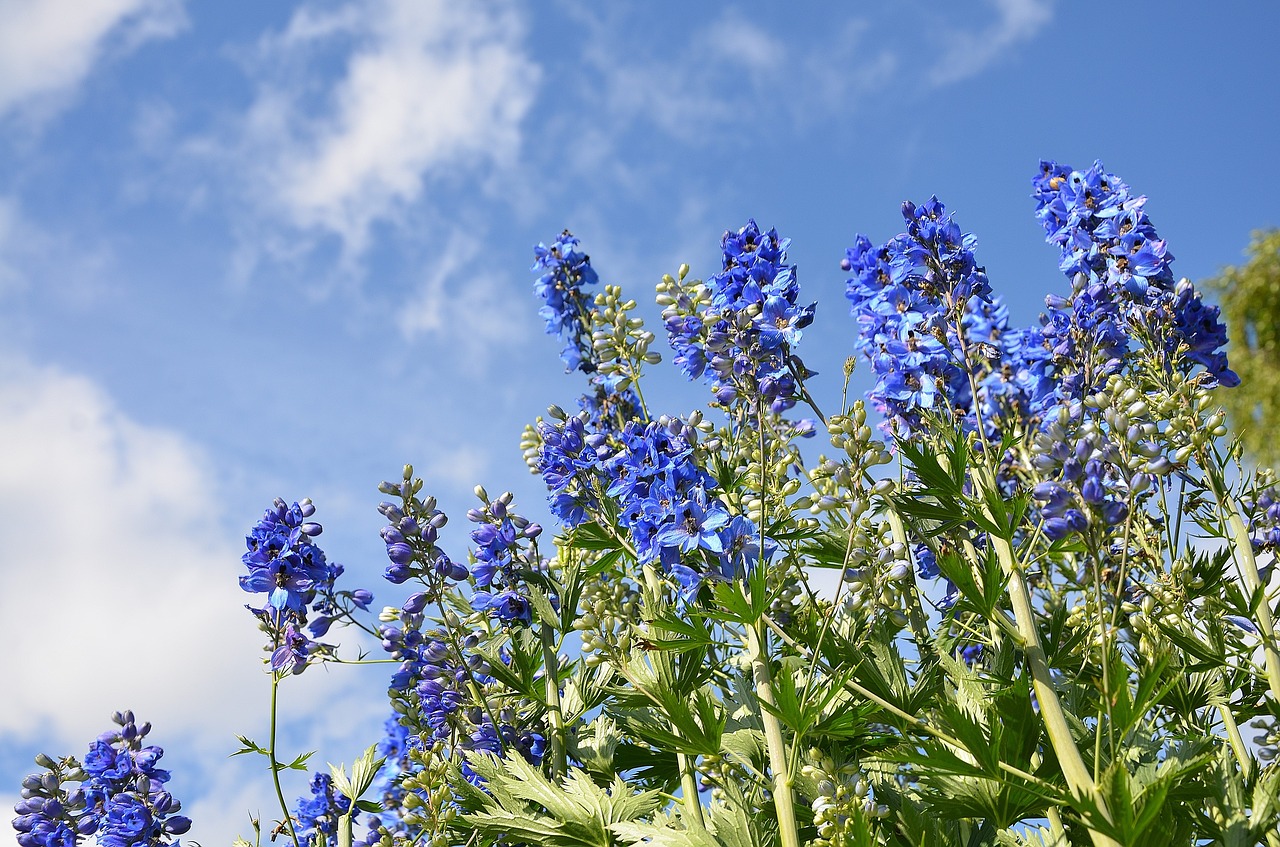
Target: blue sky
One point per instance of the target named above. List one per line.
(254, 249)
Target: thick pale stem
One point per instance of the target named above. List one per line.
(689, 790)
(783, 799)
(1233, 737)
(1064, 746)
(1243, 551)
(275, 765)
(551, 674)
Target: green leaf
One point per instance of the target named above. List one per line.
(248, 746)
(546, 612)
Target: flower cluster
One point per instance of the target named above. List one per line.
(1262, 508)
(1123, 284)
(664, 497)
(411, 534)
(595, 339)
(318, 814)
(740, 330)
(441, 686)
(120, 798)
(286, 564)
(933, 333)
(501, 555)
(565, 271)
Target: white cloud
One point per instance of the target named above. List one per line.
(48, 47)
(730, 79)
(969, 53)
(116, 580)
(428, 89)
(118, 590)
(466, 304)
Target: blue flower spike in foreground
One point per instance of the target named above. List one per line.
(115, 795)
(1031, 604)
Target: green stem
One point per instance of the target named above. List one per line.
(689, 792)
(688, 779)
(915, 610)
(1046, 790)
(783, 801)
(275, 765)
(1055, 720)
(476, 692)
(1079, 780)
(551, 671)
(1248, 565)
(1233, 737)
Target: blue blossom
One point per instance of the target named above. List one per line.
(121, 801)
(1123, 284)
(565, 271)
(742, 341)
(933, 333)
(282, 559)
(317, 815)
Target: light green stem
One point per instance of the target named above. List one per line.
(275, 765)
(783, 799)
(688, 779)
(1064, 746)
(551, 673)
(1233, 737)
(1248, 565)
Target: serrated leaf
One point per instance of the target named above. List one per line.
(546, 613)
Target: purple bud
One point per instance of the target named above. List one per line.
(362, 598)
(498, 508)
(846, 265)
(475, 515)
(1093, 491)
(397, 574)
(1115, 512)
(416, 603)
(307, 508)
(409, 526)
(533, 530)
(1242, 623)
(312, 529)
(177, 825)
(400, 553)
(908, 211)
(1055, 529)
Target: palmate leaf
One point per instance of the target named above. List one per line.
(526, 806)
(726, 826)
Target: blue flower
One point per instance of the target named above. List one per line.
(742, 342)
(121, 800)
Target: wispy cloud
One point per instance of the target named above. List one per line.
(48, 47)
(968, 53)
(427, 91)
(734, 75)
(464, 302)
